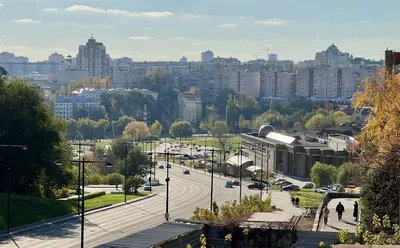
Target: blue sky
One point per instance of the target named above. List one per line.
(169, 29)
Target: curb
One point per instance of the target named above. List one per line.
(59, 219)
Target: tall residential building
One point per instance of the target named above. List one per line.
(249, 83)
(92, 57)
(207, 56)
(332, 57)
(268, 83)
(189, 107)
(285, 85)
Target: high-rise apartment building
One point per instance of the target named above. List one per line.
(332, 57)
(207, 56)
(92, 57)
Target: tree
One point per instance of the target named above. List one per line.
(3, 71)
(119, 125)
(323, 174)
(80, 113)
(137, 162)
(27, 120)
(285, 121)
(181, 129)
(233, 111)
(133, 183)
(317, 122)
(63, 91)
(73, 130)
(220, 131)
(156, 129)
(222, 99)
(243, 123)
(297, 126)
(136, 130)
(348, 174)
(211, 116)
(270, 118)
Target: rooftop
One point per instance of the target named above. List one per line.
(61, 99)
(153, 236)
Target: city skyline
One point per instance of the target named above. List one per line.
(163, 31)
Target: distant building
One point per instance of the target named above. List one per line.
(64, 77)
(64, 107)
(93, 57)
(183, 60)
(56, 58)
(207, 56)
(272, 57)
(6, 57)
(190, 107)
(332, 57)
(95, 93)
(226, 61)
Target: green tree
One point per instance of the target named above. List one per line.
(233, 111)
(181, 129)
(323, 174)
(348, 174)
(156, 129)
(114, 179)
(27, 120)
(63, 91)
(222, 99)
(119, 125)
(80, 113)
(285, 121)
(132, 184)
(137, 162)
(211, 117)
(297, 126)
(73, 130)
(318, 122)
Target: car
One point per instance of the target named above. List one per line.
(169, 166)
(291, 187)
(285, 183)
(161, 167)
(277, 181)
(187, 172)
(147, 187)
(335, 186)
(322, 190)
(235, 182)
(229, 184)
(308, 185)
(256, 185)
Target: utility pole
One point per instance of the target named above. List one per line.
(262, 165)
(212, 179)
(240, 167)
(126, 165)
(167, 198)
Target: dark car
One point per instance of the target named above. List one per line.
(161, 167)
(187, 172)
(285, 183)
(291, 187)
(169, 166)
(256, 185)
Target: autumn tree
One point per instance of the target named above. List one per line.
(181, 129)
(156, 129)
(136, 130)
(380, 146)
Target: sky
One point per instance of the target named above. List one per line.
(164, 30)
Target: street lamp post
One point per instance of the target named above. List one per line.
(23, 147)
(106, 164)
(212, 180)
(262, 165)
(126, 164)
(150, 155)
(241, 172)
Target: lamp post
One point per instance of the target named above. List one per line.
(126, 164)
(241, 171)
(23, 147)
(106, 164)
(150, 155)
(212, 179)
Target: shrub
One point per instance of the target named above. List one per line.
(114, 179)
(133, 183)
(95, 179)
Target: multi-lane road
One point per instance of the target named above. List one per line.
(186, 193)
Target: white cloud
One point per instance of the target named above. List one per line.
(179, 38)
(50, 9)
(246, 18)
(27, 21)
(85, 8)
(366, 22)
(378, 39)
(317, 36)
(272, 22)
(197, 43)
(353, 39)
(227, 25)
(194, 16)
(1, 5)
(139, 38)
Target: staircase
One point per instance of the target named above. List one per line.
(310, 239)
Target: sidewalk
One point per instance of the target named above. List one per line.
(348, 221)
(282, 200)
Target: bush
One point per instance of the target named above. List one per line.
(59, 193)
(133, 183)
(323, 174)
(114, 179)
(95, 179)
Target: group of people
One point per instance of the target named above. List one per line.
(340, 210)
(295, 201)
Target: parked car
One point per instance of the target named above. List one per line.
(169, 166)
(229, 184)
(291, 187)
(285, 183)
(187, 172)
(322, 190)
(308, 186)
(256, 185)
(277, 181)
(235, 182)
(161, 167)
(147, 187)
(335, 186)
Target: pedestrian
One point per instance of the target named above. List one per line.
(297, 201)
(326, 214)
(340, 210)
(293, 201)
(355, 212)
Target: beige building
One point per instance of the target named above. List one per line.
(92, 57)
(189, 107)
(286, 85)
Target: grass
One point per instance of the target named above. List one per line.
(308, 197)
(28, 209)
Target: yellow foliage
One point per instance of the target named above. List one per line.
(380, 93)
(136, 130)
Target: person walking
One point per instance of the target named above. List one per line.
(340, 210)
(326, 214)
(293, 201)
(297, 201)
(355, 212)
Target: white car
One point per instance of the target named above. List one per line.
(322, 190)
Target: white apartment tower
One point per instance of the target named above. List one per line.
(92, 57)
(332, 57)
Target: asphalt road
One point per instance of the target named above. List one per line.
(186, 193)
